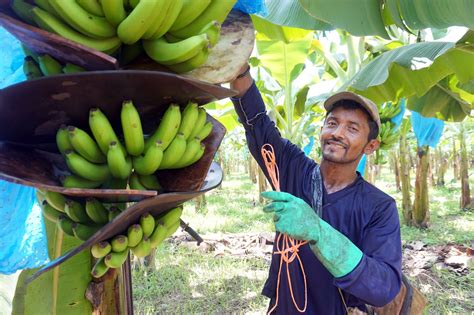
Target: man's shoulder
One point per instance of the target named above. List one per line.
(374, 196)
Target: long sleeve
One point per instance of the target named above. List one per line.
(377, 278)
(259, 130)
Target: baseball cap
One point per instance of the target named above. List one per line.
(359, 99)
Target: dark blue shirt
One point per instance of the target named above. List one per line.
(360, 211)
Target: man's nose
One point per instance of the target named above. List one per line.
(339, 132)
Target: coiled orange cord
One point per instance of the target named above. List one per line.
(290, 247)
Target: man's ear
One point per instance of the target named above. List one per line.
(371, 146)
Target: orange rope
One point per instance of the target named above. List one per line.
(290, 247)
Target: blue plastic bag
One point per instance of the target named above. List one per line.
(307, 149)
(428, 131)
(23, 241)
(251, 6)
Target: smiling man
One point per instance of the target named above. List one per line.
(353, 256)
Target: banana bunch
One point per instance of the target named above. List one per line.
(175, 33)
(102, 160)
(388, 135)
(80, 219)
(388, 110)
(36, 66)
(140, 239)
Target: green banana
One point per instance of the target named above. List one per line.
(23, 10)
(83, 168)
(133, 3)
(174, 152)
(44, 4)
(102, 130)
(81, 20)
(113, 213)
(49, 212)
(134, 234)
(28, 52)
(114, 11)
(55, 200)
(172, 229)
(149, 163)
(62, 139)
(85, 145)
(84, 232)
(171, 14)
(158, 17)
(137, 22)
(191, 10)
(99, 269)
(49, 22)
(200, 122)
(167, 129)
(189, 117)
(101, 249)
(134, 182)
(143, 248)
(49, 65)
(192, 148)
(130, 53)
(71, 68)
(213, 32)
(170, 217)
(120, 166)
(132, 129)
(150, 182)
(39, 197)
(115, 260)
(119, 243)
(31, 68)
(73, 181)
(65, 224)
(92, 6)
(191, 64)
(198, 155)
(96, 211)
(147, 222)
(205, 131)
(76, 212)
(217, 10)
(158, 235)
(167, 53)
(115, 183)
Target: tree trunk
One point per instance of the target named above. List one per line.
(253, 167)
(455, 161)
(442, 164)
(405, 181)
(431, 171)
(421, 206)
(396, 168)
(262, 184)
(200, 202)
(465, 191)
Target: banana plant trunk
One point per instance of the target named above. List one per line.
(252, 166)
(262, 184)
(396, 168)
(455, 161)
(421, 204)
(465, 190)
(405, 181)
(369, 169)
(442, 166)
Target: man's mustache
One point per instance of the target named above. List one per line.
(335, 141)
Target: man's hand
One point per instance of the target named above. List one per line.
(293, 216)
(242, 82)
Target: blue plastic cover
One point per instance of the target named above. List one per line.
(251, 6)
(307, 149)
(361, 166)
(23, 241)
(397, 120)
(428, 131)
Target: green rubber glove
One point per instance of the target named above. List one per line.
(294, 217)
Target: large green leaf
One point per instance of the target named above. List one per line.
(358, 17)
(280, 58)
(291, 13)
(269, 31)
(61, 290)
(422, 14)
(441, 102)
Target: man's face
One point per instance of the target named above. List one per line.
(344, 135)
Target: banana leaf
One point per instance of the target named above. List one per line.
(269, 31)
(291, 13)
(415, 69)
(61, 290)
(358, 17)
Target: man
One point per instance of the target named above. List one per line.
(353, 255)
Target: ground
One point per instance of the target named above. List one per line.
(225, 273)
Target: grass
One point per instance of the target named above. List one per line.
(189, 281)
